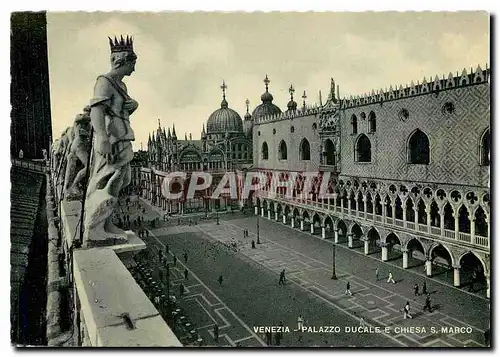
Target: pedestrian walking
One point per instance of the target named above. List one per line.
(300, 323)
(253, 244)
(185, 257)
(424, 289)
(167, 249)
(376, 273)
(279, 335)
(216, 332)
(269, 338)
(175, 260)
(348, 289)
(220, 280)
(415, 290)
(427, 305)
(186, 274)
(181, 290)
(390, 278)
(282, 278)
(160, 255)
(406, 311)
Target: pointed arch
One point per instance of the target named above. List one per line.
(372, 122)
(481, 222)
(265, 151)
(282, 151)
(354, 124)
(418, 148)
(484, 149)
(363, 149)
(305, 150)
(329, 152)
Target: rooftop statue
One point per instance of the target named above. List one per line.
(78, 156)
(110, 113)
(61, 154)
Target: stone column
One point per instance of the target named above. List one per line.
(268, 213)
(276, 218)
(328, 203)
(256, 210)
(441, 221)
(262, 211)
(357, 207)
(384, 210)
(405, 259)
(312, 227)
(323, 232)
(428, 212)
(472, 230)
(384, 254)
(456, 275)
(403, 206)
(301, 224)
(428, 267)
(336, 236)
(284, 218)
(292, 223)
(349, 240)
(367, 247)
(455, 218)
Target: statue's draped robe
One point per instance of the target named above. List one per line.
(107, 179)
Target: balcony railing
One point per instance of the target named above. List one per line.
(423, 228)
(434, 231)
(38, 166)
(449, 234)
(464, 237)
(328, 168)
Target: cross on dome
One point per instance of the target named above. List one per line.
(223, 87)
(267, 81)
(291, 90)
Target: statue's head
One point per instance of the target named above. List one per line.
(123, 57)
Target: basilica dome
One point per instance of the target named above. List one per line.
(224, 120)
(267, 107)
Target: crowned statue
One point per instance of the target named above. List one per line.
(111, 108)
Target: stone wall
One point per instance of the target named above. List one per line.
(272, 132)
(454, 138)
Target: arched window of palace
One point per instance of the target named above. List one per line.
(329, 152)
(418, 148)
(363, 149)
(265, 151)
(305, 150)
(372, 122)
(282, 153)
(485, 148)
(354, 124)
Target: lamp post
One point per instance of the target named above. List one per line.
(258, 230)
(334, 248)
(169, 309)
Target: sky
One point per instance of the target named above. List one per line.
(183, 58)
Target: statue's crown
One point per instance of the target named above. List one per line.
(122, 44)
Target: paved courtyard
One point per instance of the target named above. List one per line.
(250, 295)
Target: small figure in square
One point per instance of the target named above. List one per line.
(348, 289)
